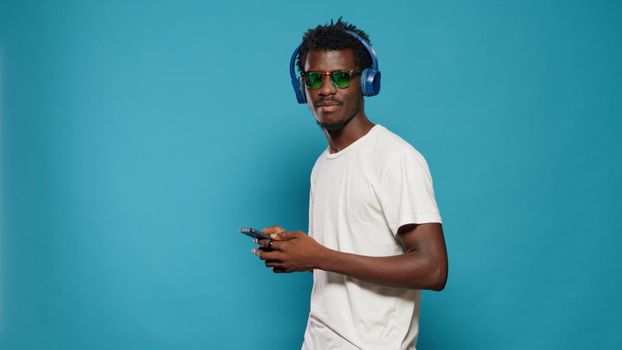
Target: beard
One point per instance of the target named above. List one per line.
(336, 127)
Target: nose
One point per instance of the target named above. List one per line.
(327, 88)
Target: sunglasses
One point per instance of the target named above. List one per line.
(341, 78)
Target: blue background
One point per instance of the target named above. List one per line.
(138, 136)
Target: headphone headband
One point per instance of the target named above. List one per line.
(370, 77)
(367, 45)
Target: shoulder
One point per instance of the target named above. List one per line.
(387, 146)
(318, 164)
(398, 159)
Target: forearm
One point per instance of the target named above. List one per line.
(414, 269)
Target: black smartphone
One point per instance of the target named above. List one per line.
(254, 233)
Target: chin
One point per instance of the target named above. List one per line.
(335, 125)
(329, 118)
(328, 121)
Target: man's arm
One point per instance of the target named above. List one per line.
(423, 265)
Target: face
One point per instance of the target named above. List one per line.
(330, 105)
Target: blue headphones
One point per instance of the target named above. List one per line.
(370, 77)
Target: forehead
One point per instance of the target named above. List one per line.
(326, 61)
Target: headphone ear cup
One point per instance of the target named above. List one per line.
(299, 90)
(370, 82)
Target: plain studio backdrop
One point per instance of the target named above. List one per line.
(137, 137)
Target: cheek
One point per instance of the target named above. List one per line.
(311, 96)
(353, 93)
(354, 100)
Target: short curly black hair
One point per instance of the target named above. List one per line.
(333, 36)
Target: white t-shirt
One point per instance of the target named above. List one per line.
(359, 198)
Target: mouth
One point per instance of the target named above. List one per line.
(328, 106)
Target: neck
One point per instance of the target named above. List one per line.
(356, 128)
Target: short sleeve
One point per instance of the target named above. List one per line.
(406, 192)
(310, 230)
(311, 204)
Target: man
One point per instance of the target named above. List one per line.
(375, 236)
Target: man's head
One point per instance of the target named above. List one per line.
(329, 49)
(333, 36)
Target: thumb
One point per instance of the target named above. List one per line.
(273, 229)
(283, 236)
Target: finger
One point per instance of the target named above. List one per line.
(274, 245)
(267, 245)
(279, 270)
(269, 255)
(260, 252)
(263, 243)
(284, 236)
(273, 229)
(274, 263)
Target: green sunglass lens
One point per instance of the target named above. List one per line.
(313, 80)
(341, 79)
